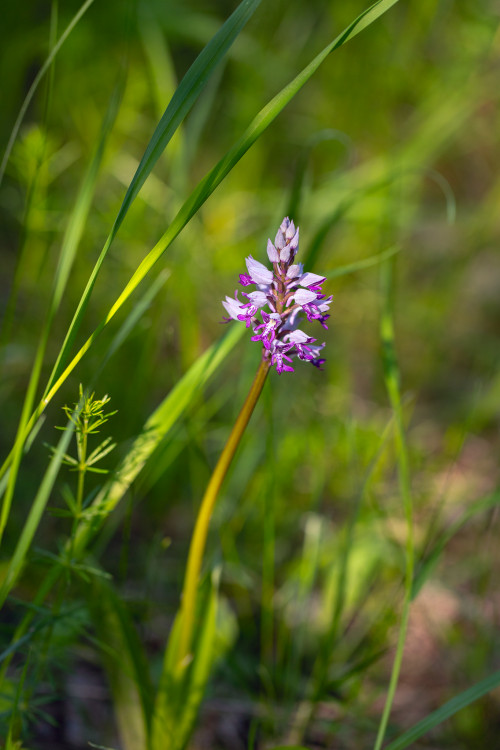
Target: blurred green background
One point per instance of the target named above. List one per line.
(393, 143)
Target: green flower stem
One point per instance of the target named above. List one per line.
(200, 532)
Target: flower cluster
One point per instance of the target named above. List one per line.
(288, 293)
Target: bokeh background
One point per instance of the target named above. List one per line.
(394, 143)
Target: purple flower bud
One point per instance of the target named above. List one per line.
(294, 242)
(290, 232)
(272, 253)
(294, 271)
(285, 254)
(280, 240)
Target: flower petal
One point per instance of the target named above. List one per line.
(304, 296)
(233, 307)
(259, 273)
(294, 271)
(310, 279)
(272, 253)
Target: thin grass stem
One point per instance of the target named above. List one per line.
(391, 372)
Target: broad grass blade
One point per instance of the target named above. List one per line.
(449, 709)
(183, 99)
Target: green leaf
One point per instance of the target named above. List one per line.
(180, 693)
(445, 712)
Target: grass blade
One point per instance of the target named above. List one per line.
(35, 514)
(69, 247)
(43, 70)
(449, 709)
(392, 381)
(178, 107)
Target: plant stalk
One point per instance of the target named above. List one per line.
(200, 532)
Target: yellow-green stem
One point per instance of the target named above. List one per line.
(205, 513)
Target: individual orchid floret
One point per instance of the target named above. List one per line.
(289, 294)
(233, 307)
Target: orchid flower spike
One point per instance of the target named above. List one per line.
(288, 293)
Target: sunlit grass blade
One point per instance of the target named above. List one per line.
(392, 382)
(201, 193)
(182, 101)
(125, 663)
(38, 78)
(35, 514)
(69, 247)
(449, 709)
